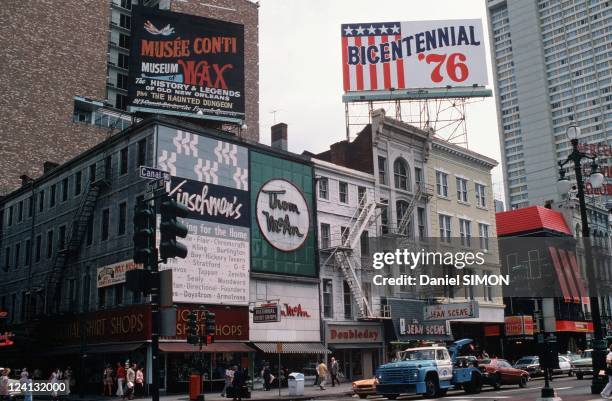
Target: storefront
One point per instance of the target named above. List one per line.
(572, 335)
(358, 347)
(178, 358)
(475, 327)
(295, 336)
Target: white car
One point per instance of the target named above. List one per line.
(565, 366)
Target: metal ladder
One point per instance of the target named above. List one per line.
(403, 224)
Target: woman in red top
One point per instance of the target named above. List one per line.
(120, 379)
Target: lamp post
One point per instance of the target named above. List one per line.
(563, 185)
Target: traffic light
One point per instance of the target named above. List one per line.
(210, 323)
(144, 230)
(192, 329)
(170, 228)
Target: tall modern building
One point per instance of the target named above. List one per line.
(551, 62)
(64, 75)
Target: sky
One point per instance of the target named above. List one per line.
(300, 68)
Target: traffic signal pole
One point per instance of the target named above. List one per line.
(156, 325)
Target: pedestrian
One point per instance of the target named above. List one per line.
(268, 377)
(120, 380)
(68, 379)
(335, 367)
(54, 380)
(229, 378)
(238, 383)
(607, 391)
(108, 380)
(4, 384)
(130, 377)
(322, 373)
(139, 387)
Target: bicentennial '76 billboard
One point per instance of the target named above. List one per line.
(418, 54)
(186, 65)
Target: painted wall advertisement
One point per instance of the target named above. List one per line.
(210, 177)
(517, 326)
(417, 54)
(115, 273)
(186, 65)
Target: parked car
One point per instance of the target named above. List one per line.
(565, 366)
(365, 387)
(498, 372)
(530, 364)
(583, 365)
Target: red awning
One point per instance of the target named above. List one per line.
(571, 280)
(559, 271)
(579, 279)
(214, 347)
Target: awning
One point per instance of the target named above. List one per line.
(214, 347)
(568, 274)
(292, 348)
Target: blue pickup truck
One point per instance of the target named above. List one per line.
(430, 371)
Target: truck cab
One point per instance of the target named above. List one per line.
(427, 370)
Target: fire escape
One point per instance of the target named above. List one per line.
(74, 236)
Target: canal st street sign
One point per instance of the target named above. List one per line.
(466, 310)
(269, 313)
(150, 173)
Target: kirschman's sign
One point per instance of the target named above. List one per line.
(186, 65)
(419, 54)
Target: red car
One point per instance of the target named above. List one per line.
(498, 372)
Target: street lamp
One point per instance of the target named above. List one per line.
(563, 185)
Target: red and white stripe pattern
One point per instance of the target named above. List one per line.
(371, 76)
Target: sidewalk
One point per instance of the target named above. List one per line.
(310, 393)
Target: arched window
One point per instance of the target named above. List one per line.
(401, 207)
(401, 173)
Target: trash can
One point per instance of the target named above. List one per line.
(295, 382)
(195, 387)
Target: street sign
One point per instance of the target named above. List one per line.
(269, 313)
(153, 186)
(150, 173)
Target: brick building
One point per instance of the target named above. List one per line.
(64, 81)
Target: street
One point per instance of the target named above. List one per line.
(568, 388)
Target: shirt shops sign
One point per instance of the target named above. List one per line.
(282, 215)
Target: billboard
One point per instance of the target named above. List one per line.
(115, 273)
(211, 177)
(417, 54)
(186, 65)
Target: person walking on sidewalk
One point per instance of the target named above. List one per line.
(229, 378)
(267, 377)
(607, 391)
(139, 384)
(335, 367)
(322, 373)
(120, 379)
(238, 383)
(130, 377)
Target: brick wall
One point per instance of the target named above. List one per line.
(52, 51)
(240, 12)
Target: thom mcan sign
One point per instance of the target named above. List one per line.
(282, 215)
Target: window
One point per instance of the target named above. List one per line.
(52, 195)
(124, 41)
(108, 165)
(7, 258)
(480, 195)
(401, 208)
(462, 190)
(384, 216)
(123, 165)
(445, 227)
(325, 235)
(328, 298)
(28, 250)
(323, 188)
(89, 239)
(400, 174)
(465, 231)
(127, 4)
(122, 81)
(441, 183)
(121, 101)
(62, 238)
(102, 297)
(123, 61)
(20, 211)
(65, 189)
(483, 233)
(119, 294)
(344, 233)
(77, 183)
(361, 193)
(418, 175)
(38, 248)
(142, 152)
(469, 289)
(364, 243)
(122, 218)
(343, 192)
(488, 289)
(41, 200)
(30, 206)
(421, 222)
(105, 224)
(125, 21)
(49, 243)
(382, 170)
(348, 301)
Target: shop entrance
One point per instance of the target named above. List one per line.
(357, 363)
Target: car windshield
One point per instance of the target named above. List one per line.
(419, 355)
(573, 357)
(527, 361)
(586, 354)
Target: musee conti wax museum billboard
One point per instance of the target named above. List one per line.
(413, 55)
(186, 65)
(250, 210)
